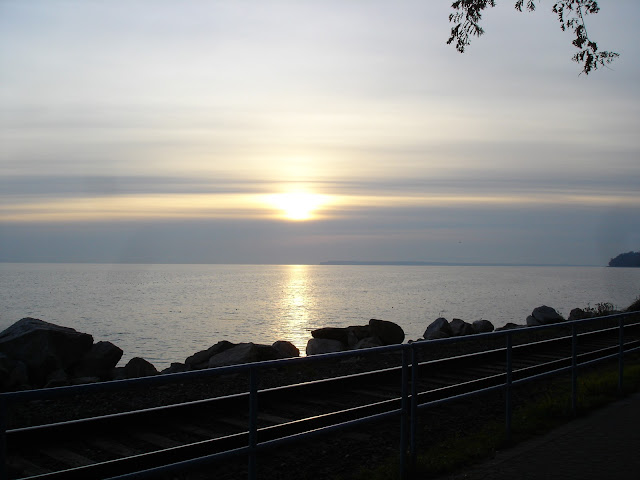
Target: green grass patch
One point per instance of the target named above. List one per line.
(550, 408)
(461, 450)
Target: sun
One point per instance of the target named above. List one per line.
(298, 206)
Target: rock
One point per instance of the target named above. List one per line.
(6, 365)
(13, 374)
(84, 380)
(579, 314)
(316, 346)
(286, 349)
(43, 347)
(439, 328)
(368, 343)
(176, 368)
(483, 326)
(389, 333)
(460, 328)
(19, 377)
(138, 367)
(544, 316)
(99, 361)
(244, 353)
(533, 322)
(57, 378)
(356, 333)
(509, 326)
(332, 333)
(200, 359)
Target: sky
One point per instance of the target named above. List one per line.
(296, 132)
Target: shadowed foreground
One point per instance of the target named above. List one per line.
(602, 445)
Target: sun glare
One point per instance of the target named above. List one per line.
(298, 205)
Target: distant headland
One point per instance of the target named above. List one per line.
(629, 259)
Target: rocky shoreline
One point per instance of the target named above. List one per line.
(358, 448)
(38, 354)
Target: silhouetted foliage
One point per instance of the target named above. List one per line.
(629, 259)
(600, 310)
(635, 306)
(571, 13)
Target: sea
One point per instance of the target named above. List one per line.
(164, 313)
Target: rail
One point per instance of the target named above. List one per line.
(408, 411)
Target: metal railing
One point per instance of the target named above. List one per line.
(408, 410)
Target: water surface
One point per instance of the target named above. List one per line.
(165, 313)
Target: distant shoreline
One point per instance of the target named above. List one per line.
(330, 262)
(447, 264)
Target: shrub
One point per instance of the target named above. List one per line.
(635, 306)
(601, 309)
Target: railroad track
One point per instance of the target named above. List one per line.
(119, 443)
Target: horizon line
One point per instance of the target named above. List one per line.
(400, 263)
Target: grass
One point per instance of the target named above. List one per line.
(550, 408)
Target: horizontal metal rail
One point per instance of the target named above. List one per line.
(410, 397)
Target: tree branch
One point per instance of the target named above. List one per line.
(467, 18)
(468, 13)
(571, 16)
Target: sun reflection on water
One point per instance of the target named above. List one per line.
(296, 306)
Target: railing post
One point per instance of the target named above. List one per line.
(253, 422)
(574, 370)
(413, 451)
(508, 389)
(621, 356)
(404, 418)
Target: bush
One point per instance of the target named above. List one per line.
(635, 306)
(601, 309)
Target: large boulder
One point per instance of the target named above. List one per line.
(389, 333)
(44, 347)
(139, 367)
(533, 322)
(543, 316)
(368, 342)
(244, 353)
(99, 361)
(509, 326)
(286, 349)
(200, 359)
(483, 326)
(13, 374)
(460, 328)
(439, 328)
(57, 378)
(332, 333)
(316, 346)
(356, 333)
(579, 314)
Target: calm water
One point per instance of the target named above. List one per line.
(165, 313)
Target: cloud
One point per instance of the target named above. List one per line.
(539, 234)
(123, 120)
